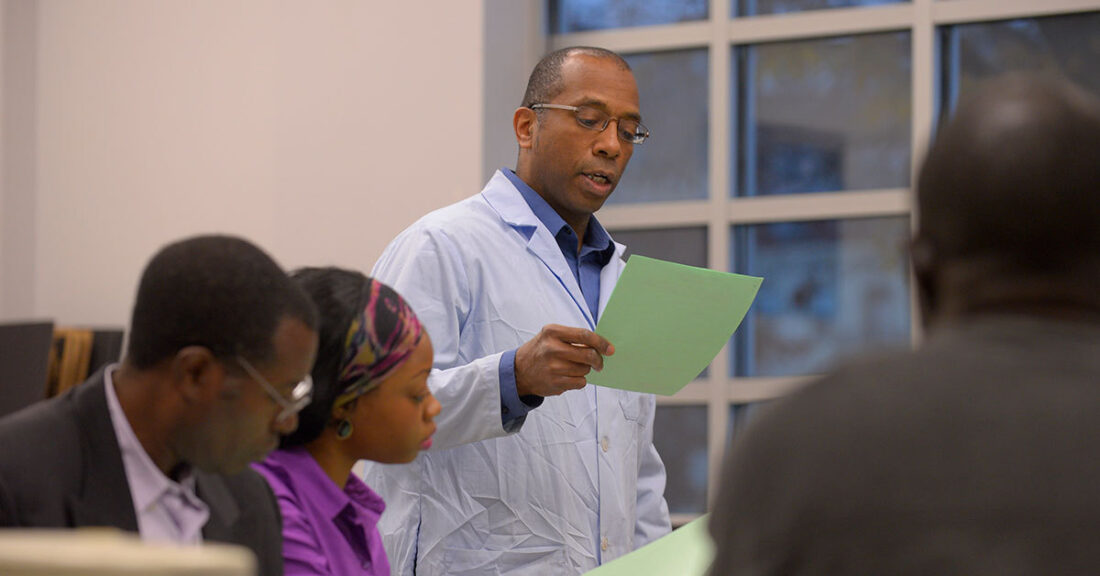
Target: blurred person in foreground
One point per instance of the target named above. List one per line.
(370, 401)
(217, 366)
(976, 453)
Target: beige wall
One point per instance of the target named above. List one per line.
(317, 129)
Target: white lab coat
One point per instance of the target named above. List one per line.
(575, 484)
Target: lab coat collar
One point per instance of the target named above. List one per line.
(503, 197)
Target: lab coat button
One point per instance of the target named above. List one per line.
(604, 443)
(603, 545)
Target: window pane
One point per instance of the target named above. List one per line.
(680, 436)
(683, 245)
(581, 15)
(672, 163)
(758, 7)
(1069, 45)
(823, 115)
(831, 288)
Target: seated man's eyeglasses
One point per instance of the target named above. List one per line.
(628, 130)
(300, 395)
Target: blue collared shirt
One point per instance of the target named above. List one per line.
(596, 251)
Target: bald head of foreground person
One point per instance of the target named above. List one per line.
(1009, 204)
(975, 453)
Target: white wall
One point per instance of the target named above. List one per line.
(317, 129)
(514, 42)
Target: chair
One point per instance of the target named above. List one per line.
(78, 352)
(24, 363)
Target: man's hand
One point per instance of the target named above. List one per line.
(558, 359)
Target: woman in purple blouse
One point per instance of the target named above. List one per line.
(370, 401)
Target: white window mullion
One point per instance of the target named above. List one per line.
(964, 11)
(721, 143)
(923, 119)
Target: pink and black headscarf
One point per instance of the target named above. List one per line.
(378, 341)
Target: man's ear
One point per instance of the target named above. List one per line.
(525, 123)
(922, 255)
(197, 373)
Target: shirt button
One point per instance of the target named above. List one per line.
(603, 545)
(604, 443)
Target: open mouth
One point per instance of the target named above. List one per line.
(599, 178)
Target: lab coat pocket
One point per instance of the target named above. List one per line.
(632, 405)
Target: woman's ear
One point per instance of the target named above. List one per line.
(344, 411)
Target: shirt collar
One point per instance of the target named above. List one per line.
(596, 239)
(320, 489)
(147, 482)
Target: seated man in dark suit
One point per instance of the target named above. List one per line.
(978, 453)
(220, 350)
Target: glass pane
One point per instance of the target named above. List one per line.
(581, 15)
(672, 163)
(758, 7)
(1069, 45)
(683, 245)
(823, 115)
(831, 288)
(680, 435)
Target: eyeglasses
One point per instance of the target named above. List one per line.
(300, 396)
(595, 119)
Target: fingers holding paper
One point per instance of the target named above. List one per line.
(557, 359)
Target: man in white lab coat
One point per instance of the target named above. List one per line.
(533, 471)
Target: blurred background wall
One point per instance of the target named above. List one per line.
(317, 130)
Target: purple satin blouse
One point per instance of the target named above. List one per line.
(326, 531)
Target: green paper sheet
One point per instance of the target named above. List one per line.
(687, 551)
(667, 321)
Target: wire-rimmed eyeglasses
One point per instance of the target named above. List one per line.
(628, 130)
(300, 396)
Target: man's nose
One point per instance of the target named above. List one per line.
(286, 425)
(607, 141)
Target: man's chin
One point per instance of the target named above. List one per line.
(594, 202)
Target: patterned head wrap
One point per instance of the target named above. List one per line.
(379, 340)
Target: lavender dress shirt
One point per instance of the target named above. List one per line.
(326, 531)
(166, 510)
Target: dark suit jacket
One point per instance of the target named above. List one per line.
(977, 454)
(61, 467)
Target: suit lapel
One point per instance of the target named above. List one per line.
(105, 499)
(224, 511)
